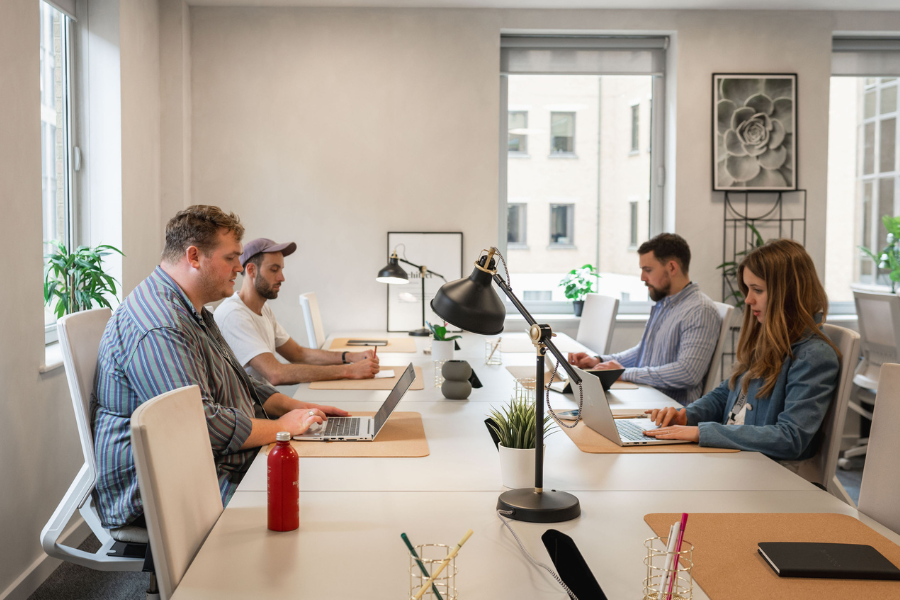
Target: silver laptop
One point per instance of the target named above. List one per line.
(598, 416)
(362, 429)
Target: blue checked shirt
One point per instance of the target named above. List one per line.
(677, 345)
(156, 342)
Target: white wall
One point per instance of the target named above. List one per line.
(331, 127)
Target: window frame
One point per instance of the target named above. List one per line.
(67, 51)
(635, 129)
(522, 218)
(570, 227)
(524, 136)
(564, 153)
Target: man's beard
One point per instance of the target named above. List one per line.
(657, 294)
(265, 290)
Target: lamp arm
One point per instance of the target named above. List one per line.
(573, 376)
(420, 267)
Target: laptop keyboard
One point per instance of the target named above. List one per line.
(341, 426)
(629, 432)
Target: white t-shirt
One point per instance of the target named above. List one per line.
(248, 333)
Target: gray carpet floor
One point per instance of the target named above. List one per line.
(73, 582)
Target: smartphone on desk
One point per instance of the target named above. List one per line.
(367, 343)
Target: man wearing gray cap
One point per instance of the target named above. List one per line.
(261, 345)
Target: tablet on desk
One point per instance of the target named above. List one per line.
(367, 342)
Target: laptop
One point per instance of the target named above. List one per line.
(598, 416)
(607, 378)
(362, 429)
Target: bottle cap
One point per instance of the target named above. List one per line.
(283, 436)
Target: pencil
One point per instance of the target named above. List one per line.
(412, 551)
(443, 564)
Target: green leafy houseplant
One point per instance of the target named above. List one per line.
(578, 283)
(890, 254)
(75, 280)
(440, 333)
(730, 268)
(514, 424)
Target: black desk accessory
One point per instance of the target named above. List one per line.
(827, 561)
(570, 565)
(472, 305)
(493, 432)
(476, 383)
(607, 378)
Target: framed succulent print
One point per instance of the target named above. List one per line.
(754, 132)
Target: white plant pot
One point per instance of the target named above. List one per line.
(442, 350)
(517, 467)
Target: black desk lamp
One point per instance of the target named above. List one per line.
(394, 274)
(472, 305)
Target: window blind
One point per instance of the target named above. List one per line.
(582, 55)
(865, 57)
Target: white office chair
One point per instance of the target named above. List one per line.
(177, 479)
(880, 487)
(821, 468)
(598, 319)
(713, 376)
(879, 326)
(313, 319)
(79, 340)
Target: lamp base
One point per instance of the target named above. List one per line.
(420, 332)
(547, 507)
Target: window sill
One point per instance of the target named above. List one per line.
(518, 155)
(517, 247)
(562, 247)
(563, 156)
(52, 358)
(634, 153)
(632, 248)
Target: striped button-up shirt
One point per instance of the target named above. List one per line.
(677, 345)
(156, 342)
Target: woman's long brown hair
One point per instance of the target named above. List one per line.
(794, 295)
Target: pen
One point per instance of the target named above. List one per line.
(443, 564)
(419, 562)
(684, 517)
(670, 549)
(376, 352)
(494, 349)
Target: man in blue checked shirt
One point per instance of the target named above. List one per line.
(681, 334)
(162, 338)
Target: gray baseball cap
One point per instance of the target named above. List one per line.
(254, 247)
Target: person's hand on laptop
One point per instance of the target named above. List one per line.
(671, 425)
(327, 411)
(607, 366)
(362, 369)
(299, 420)
(583, 360)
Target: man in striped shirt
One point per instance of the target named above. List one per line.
(162, 338)
(678, 343)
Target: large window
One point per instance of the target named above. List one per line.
(518, 133)
(516, 227)
(599, 207)
(863, 173)
(55, 110)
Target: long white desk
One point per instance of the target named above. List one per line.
(354, 509)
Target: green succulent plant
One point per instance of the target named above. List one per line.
(890, 254)
(440, 332)
(75, 280)
(514, 424)
(578, 283)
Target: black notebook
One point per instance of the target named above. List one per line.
(827, 561)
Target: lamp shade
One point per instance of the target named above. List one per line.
(392, 273)
(471, 304)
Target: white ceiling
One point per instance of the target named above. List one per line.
(615, 4)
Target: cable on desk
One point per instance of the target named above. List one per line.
(500, 514)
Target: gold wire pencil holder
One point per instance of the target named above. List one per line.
(439, 372)
(524, 389)
(655, 561)
(492, 354)
(431, 556)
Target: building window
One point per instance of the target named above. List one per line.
(562, 224)
(537, 296)
(518, 132)
(635, 127)
(516, 225)
(633, 238)
(55, 110)
(562, 132)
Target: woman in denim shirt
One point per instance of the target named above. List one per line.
(786, 370)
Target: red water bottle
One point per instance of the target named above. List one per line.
(284, 485)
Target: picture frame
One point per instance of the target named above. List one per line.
(439, 251)
(754, 132)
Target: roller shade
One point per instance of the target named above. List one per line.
(869, 57)
(67, 7)
(582, 55)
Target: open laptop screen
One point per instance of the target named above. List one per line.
(394, 397)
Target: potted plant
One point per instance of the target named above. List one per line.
(75, 280)
(441, 345)
(578, 283)
(730, 268)
(890, 254)
(514, 426)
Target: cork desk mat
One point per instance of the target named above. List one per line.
(591, 442)
(371, 384)
(402, 436)
(394, 344)
(727, 565)
(528, 373)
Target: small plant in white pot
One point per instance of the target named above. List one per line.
(441, 345)
(514, 426)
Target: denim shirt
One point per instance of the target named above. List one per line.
(783, 425)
